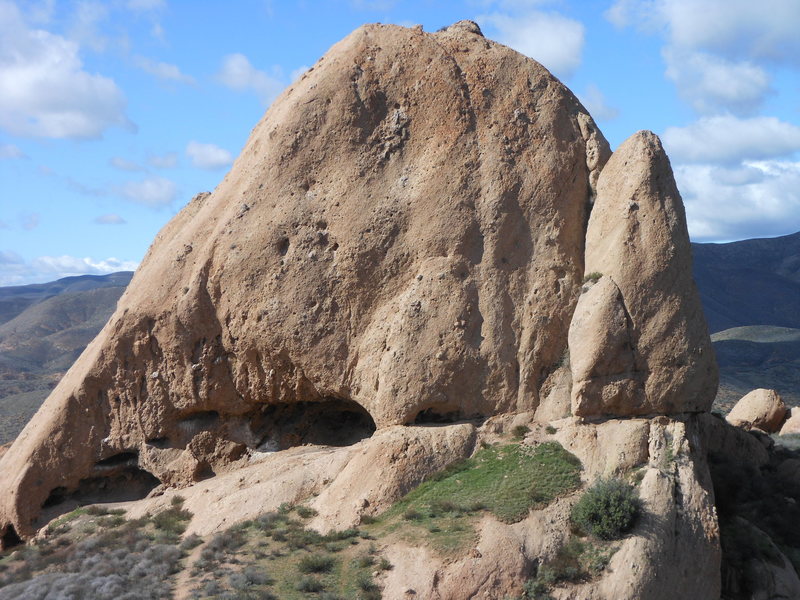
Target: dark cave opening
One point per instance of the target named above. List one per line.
(9, 538)
(117, 460)
(431, 416)
(127, 482)
(331, 422)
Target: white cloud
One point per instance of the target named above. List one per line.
(552, 39)
(765, 29)
(711, 83)
(86, 22)
(717, 50)
(56, 267)
(727, 139)
(155, 192)
(757, 199)
(10, 151)
(595, 102)
(208, 156)
(163, 71)
(44, 90)
(238, 74)
(164, 161)
(109, 219)
(40, 12)
(124, 164)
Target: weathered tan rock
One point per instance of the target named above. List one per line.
(392, 463)
(760, 409)
(638, 340)
(731, 443)
(401, 239)
(792, 424)
(673, 552)
(345, 482)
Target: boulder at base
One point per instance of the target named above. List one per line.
(760, 409)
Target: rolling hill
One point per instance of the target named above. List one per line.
(751, 296)
(43, 329)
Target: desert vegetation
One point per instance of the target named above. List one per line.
(607, 510)
(98, 553)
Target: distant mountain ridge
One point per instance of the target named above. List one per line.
(16, 299)
(751, 282)
(751, 297)
(43, 328)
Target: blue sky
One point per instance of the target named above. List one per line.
(114, 114)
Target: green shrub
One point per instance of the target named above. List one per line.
(306, 512)
(173, 521)
(608, 509)
(520, 431)
(316, 563)
(593, 277)
(310, 584)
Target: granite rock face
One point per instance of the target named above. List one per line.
(401, 240)
(638, 341)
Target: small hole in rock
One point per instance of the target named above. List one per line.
(123, 458)
(283, 246)
(9, 538)
(436, 416)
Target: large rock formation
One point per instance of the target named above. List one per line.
(400, 240)
(403, 242)
(638, 340)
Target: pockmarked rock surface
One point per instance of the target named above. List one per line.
(638, 340)
(760, 409)
(391, 276)
(401, 240)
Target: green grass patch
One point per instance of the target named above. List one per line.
(506, 480)
(66, 519)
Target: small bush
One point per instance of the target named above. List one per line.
(173, 520)
(306, 512)
(364, 561)
(309, 584)
(369, 589)
(192, 541)
(520, 431)
(337, 536)
(550, 430)
(594, 277)
(316, 563)
(608, 509)
(270, 520)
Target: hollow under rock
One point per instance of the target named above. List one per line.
(331, 422)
